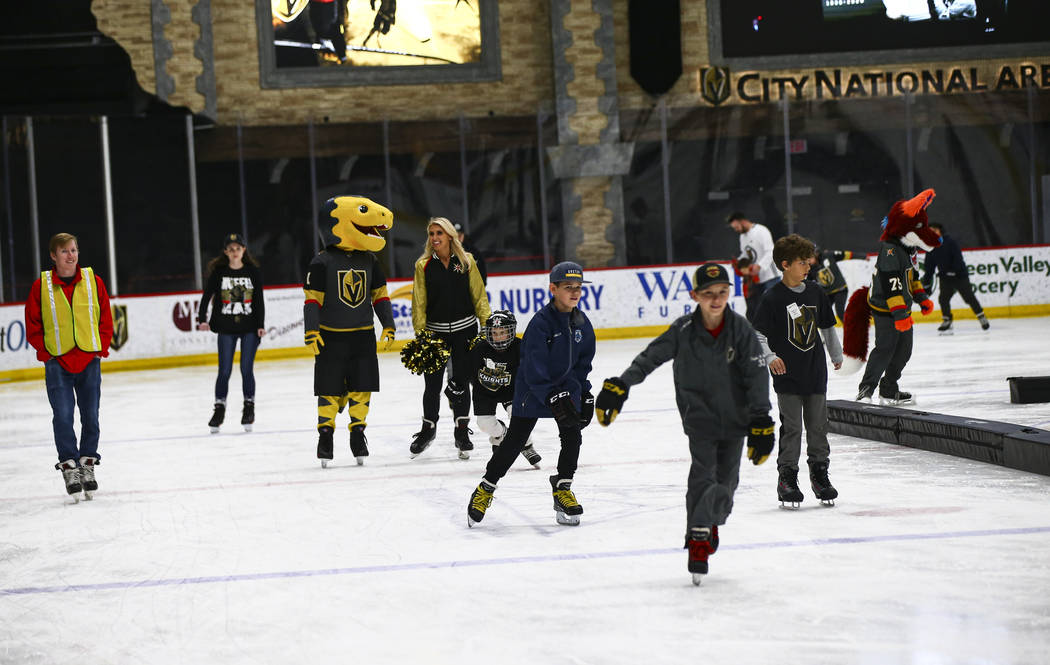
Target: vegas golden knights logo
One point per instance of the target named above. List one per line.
(802, 332)
(825, 277)
(120, 326)
(714, 84)
(288, 10)
(353, 287)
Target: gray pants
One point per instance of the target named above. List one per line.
(713, 477)
(796, 410)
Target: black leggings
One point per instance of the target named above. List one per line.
(518, 433)
(459, 343)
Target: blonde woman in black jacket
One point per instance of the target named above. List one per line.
(448, 299)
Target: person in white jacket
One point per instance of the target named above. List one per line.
(756, 253)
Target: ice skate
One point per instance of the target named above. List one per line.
(530, 455)
(422, 439)
(896, 399)
(71, 476)
(480, 501)
(359, 444)
(822, 488)
(324, 445)
(946, 326)
(217, 417)
(701, 542)
(248, 415)
(864, 394)
(87, 476)
(788, 491)
(983, 320)
(567, 510)
(463, 443)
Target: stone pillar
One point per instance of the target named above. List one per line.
(589, 158)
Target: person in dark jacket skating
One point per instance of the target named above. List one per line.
(238, 314)
(722, 391)
(946, 261)
(556, 353)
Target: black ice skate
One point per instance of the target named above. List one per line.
(983, 320)
(701, 543)
(71, 476)
(217, 417)
(359, 444)
(324, 445)
(463, 443)
(896, 399)
(567, 510)
(822, 488)
(946, 326)
(248, 415)
(480, 501)
(87, 476)
(530, 455)
(787, 488)
(422, 439)
(865, 393)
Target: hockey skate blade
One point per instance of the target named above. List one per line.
(89, 496)
(896, 402)
(830, 503)
(214, 430)
(324, 464)
(566, 520)
(946, 333)
(697, 578)
(247, 428)
(464, 454)
(791, 505)
(360, 461)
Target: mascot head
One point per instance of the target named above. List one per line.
(907, 222)
(354, 222)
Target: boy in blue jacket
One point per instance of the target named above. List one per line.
(556, 353)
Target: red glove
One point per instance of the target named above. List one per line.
(904, 324)
(927, 306)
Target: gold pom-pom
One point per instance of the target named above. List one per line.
(425, 354)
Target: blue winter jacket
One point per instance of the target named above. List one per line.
(556, 353)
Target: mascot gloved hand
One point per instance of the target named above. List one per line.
(387, 337)
(926, 306)
(312, 338)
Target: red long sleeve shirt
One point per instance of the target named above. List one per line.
(76, 359)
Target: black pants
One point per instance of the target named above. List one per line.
(949, 285)
(518, 433)
(459, 344)
(887, 360)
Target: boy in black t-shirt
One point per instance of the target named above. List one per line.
(494, 360)
(787, 321)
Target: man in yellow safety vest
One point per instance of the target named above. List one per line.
(69, 323)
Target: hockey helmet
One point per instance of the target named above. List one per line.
(500, 329)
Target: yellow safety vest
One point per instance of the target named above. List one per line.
(65, 325)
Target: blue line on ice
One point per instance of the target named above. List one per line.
(424, 565)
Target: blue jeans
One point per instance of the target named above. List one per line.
(227, 345)
(66, 390)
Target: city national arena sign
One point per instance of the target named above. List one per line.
(718, 85)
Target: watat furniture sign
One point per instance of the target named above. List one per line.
(158, 331)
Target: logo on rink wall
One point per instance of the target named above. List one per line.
(13, 336)
(184, 315)
(120, 326)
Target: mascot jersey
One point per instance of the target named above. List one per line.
(895, 282)
(347, 286)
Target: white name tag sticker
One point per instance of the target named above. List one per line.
(793, 311)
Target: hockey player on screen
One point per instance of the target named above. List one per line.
(895, 286)
(344, 285)
(494, 360)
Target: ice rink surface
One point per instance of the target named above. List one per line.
(238, 548)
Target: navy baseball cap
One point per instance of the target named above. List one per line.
(233, 238)
(567, 271)
(708, 274)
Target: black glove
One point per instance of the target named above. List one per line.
(610, 400)
(456, 394)
(586, 409)
(760, 439)
(385, 15)
(560, 402)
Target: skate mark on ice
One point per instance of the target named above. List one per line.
(893, 512)
(551, 558)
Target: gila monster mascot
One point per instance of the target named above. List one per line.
(344, 285)
(894, 287)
